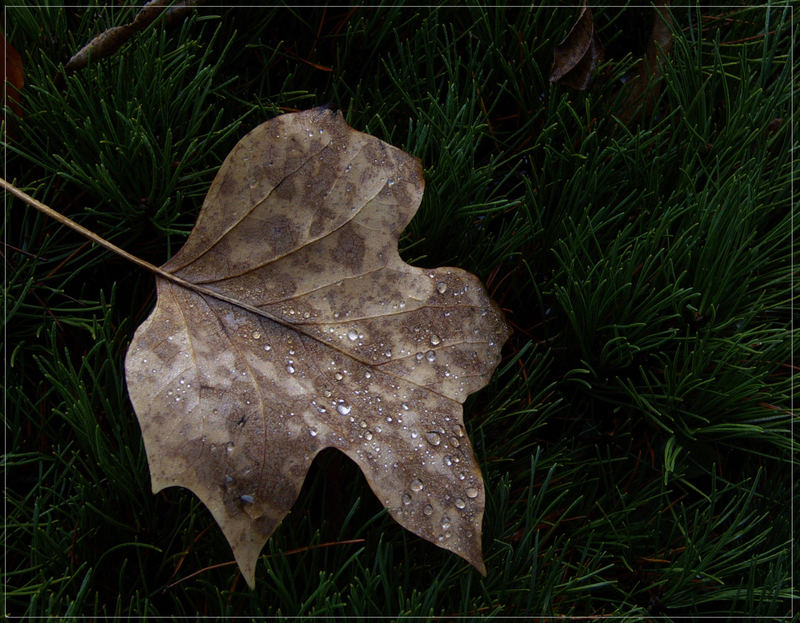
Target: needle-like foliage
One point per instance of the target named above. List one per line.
(636, 440)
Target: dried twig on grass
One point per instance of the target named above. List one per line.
(109, 41)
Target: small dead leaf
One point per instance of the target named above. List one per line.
(645, 87)
(112, 39)
(575, 59)
(13, 79)
(326, 338)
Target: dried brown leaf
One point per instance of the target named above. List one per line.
(13, 80)
(575, 59)
(326, 338)
(645, 87)
(112, 39)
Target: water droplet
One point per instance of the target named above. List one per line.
(441, 287)
(290, 369)
(433, 438)
(416, 485)
(256, 335)
(471, 492)
(343, 408)
(430, 355)
(229, 447)
(419, 356)
(414, 434)
(228, 480)
(454, 442)
(253, 182)
(267, 347)
(368, 436)
(247, 499)
(312, 431)
(435, 340)
(445, 522)
(447, 460)
(362, 424)
(338, 376)
(177, 399)
(388, 353)
(459, 503)
(462, 476)
(406, 499)
(458, 430)
(428, 510)
(352, 335)
(367, 374)
(404, 406)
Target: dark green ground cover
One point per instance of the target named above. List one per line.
(635, 441)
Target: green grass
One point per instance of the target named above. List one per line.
(635, 441)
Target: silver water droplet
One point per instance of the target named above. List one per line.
(454, 442)
(458, 430)
(445, 522)
(430, 355)
(290, 369)
(459, 503)
(441, 287)
(406, 499)
(428, 510)
(447, 460)
(338, 376)
(368, 436)
(352, 335)
(416, 485)
(247, 499)
(433, 438)
(343, 408)
(312, 431)
(419, 356)
(471, 492)
(256, 335)
(435, 340)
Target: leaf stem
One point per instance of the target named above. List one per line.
(79, 228)
(132, 258)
